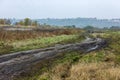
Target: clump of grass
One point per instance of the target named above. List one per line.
(71, 57)
(5, 47)
(93, 57)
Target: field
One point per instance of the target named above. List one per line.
(59, 40)
(16, 41)
(103, 64)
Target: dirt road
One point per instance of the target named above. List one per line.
(15, 63)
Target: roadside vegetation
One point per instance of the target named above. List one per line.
(14, 41)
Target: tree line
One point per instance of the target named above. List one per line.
(5, 22)
(27, 22)
(24, 22)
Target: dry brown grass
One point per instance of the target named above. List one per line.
(60, 72)
(94, 71)
(84, 71)
(21, 35)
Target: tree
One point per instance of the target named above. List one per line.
(27, 22)
(89, 27)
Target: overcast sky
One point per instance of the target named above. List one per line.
(59, 8)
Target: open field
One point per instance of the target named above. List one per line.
(98, 65)
(59, 39)
(101, 64)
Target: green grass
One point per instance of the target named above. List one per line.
(36, 43)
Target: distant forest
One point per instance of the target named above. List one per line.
(68, 22)
(78, 22)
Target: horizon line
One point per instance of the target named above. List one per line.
(63, 18)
